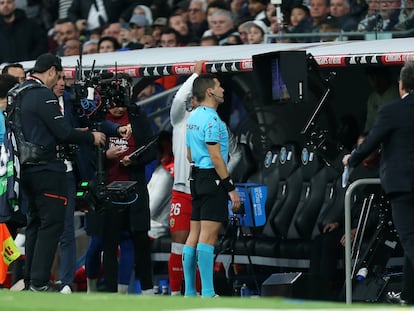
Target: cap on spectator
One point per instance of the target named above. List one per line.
(160, 21)
(258, 23)
(138, 19)
(46, 61)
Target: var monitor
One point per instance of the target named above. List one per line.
(283, 76)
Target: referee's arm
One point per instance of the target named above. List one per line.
(217, 159)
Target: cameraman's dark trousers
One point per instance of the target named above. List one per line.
(47, 194)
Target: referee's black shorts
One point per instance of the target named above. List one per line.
(209, 198)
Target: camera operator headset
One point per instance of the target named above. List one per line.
(44, 127)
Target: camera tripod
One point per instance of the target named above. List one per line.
(227, 244)
(382, 243)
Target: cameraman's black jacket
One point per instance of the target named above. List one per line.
(43, 125)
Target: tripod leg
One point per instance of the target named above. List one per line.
(359, 236)
(251, 267)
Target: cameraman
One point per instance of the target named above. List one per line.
(120, 223)
(44, 127)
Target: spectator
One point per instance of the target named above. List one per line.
(177, 23)
(15, 70)
(319, 10)
(234, 39)
(72, 47)
(341, 10)
(372, 21)
(21, 39)
(148, 41)
(169, 38)
(329, 25)
(243, 30)
(112, 30)
(159, 24)
(64, 30)
(212, 7)
(406, 17)
(299, 17)
(127, 41)
(222, 25)
(137, 25)
(208, 41)
(197, 17)
(257, 9)
(272, 20)
(300, 22)
(389, 11)
(144, 10)
(108, 44)
(90, 47)
(256, 32)
(382, 15)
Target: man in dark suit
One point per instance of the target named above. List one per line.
(393, 131)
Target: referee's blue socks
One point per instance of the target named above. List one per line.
(205, 257)
(189, 268)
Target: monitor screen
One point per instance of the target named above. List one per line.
(282, 76)
(279, 89)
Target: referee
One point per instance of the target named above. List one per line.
(207, 149)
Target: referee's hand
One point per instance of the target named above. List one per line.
(235, 200)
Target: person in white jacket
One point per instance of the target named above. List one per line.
(180, 212)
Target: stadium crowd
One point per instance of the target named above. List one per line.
(29, 29)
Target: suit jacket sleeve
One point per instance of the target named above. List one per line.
(379, 132)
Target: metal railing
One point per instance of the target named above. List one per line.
(348, 259)
(339, 36)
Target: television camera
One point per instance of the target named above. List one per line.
(96, 93)
(93, 95)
